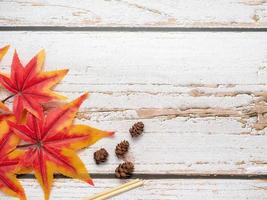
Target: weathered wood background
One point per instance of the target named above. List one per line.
(195, 72)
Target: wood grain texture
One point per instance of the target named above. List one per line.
(143, 58)
(195, 92)
(135, 13)
(168, 189)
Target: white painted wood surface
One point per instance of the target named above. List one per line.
(200, 94)
(135, 13)
(167, 189)
(163, 60)
(188, 88)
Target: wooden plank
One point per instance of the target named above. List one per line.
(149, 58)
(135, 13)
(188, 88)
(184, 146)
(188, 189)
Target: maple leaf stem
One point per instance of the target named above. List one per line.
(4, 100)
(24, 145)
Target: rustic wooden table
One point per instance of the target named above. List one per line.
(195, 72)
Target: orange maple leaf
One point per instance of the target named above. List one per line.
(3, 51)
(9, 160)
(51, 142)
(31, 86)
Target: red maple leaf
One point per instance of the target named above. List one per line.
(51, 142)
(30, 86)
(9, 160)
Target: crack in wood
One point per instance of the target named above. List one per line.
(187, 112)
(253, 2)
(257, 109)
(198, 93)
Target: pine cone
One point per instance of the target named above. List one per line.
(124, 170)
(122, 148)
(100, 156)
(137, 129)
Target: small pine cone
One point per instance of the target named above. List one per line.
(122, 148)
(137, 129)
(100, 156)
(124, 170)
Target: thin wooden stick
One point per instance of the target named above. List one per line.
(117, 190)
(112, 189)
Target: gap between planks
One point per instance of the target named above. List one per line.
(129, 29)
(166, 176)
